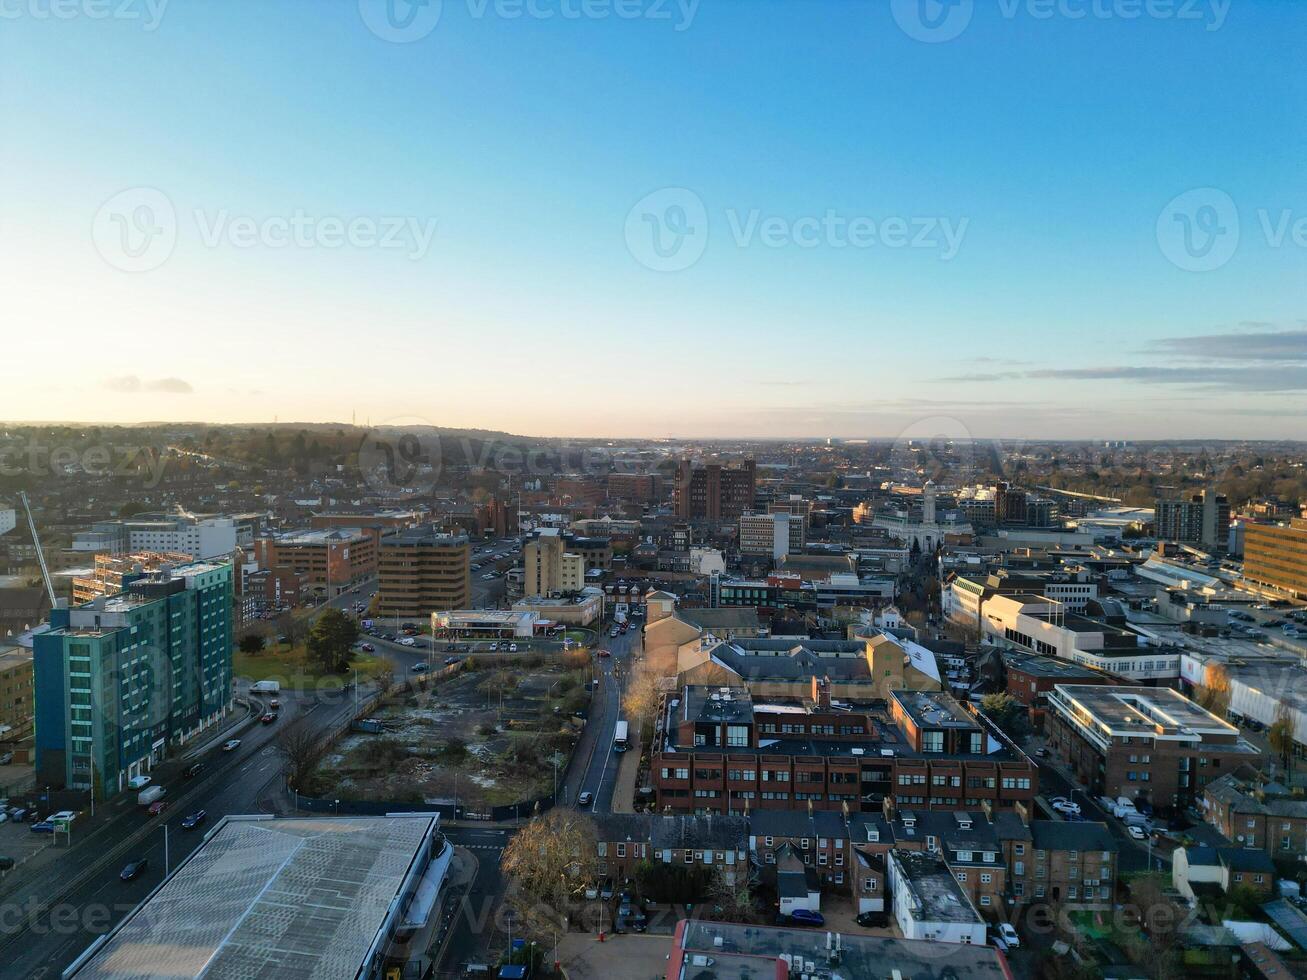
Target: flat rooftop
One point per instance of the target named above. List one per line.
(1135, 710)
(1036, 666)
(291, 898)
(937, 894)
(727, 951)
(933, 710)
(427, 535)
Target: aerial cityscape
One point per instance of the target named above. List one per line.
(658, 489)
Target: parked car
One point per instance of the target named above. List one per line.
(606, 892)
(494, 647)
(512, 648)
(591, 892)
(42, 827)
(158, 806)
(231, 745)
(133, 869)
(874, 920)
(6, 758)
(408, 641)
(420, 667)
(368, 648)
(1136, 832)
(805, 917)
(1009, 934)
(138, 782)
(1067, 808)
(450, 660)
(193, 820)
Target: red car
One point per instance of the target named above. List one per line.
(604, 653)
(269, 718)
(157, 807)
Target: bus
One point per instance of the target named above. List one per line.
(619, 738)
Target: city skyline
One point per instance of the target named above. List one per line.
(863, 224)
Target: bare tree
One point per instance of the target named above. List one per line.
(293, 628)
(299, 748)
(549, 862)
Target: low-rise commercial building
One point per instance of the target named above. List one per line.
(1030, 679)
(293, 897)
(1036, 624)
(489, 623)
(1144, 743)
(332, 560)
(582, 608)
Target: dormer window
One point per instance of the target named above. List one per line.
(873, 835)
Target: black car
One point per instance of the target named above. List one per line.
(134, 869)
(193, 770)
(6, 863)
(193, 820)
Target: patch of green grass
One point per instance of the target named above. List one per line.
(293, 669)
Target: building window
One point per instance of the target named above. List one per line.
(984, 899)
(621, 850)
(962, 876)
(986, 879)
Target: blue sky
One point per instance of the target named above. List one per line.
(981, 235)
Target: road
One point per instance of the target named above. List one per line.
(599, 776)
(1132, 855)
(85, 882)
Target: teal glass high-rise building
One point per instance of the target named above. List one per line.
(124, 679)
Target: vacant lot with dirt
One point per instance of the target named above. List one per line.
(489, 734)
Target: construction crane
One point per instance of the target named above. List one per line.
(40, 555)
